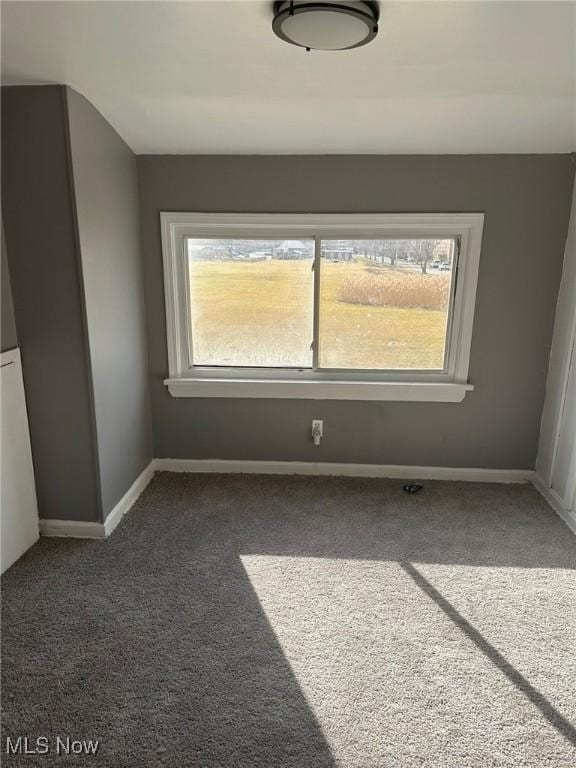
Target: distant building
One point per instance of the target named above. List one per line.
(338, 252)
(293, 249)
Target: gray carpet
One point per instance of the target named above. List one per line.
(263, 622)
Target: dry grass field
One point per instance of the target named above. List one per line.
(261, 314)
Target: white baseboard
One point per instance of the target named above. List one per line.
(347, 470)
(392, 471)
(73, 528)
(127, 501)
(82, 530)
(555, 502)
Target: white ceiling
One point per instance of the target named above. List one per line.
(210, 77)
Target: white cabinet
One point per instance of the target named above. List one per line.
(556, 462)
(18, 509)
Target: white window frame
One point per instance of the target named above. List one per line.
(447, 385)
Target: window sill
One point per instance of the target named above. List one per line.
(294, 389)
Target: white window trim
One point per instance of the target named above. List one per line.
(449, 385)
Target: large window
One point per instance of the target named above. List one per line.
(375, 306)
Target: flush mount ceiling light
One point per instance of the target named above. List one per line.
(326, 26)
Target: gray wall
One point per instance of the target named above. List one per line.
(106, 187)
(40, 231)
(526, 201)
(70, 209)
(9, 339)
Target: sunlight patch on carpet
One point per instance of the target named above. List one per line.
(379, 662)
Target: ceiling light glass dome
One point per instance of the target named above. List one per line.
(326, 26)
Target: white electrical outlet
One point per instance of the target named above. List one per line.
(317, 430)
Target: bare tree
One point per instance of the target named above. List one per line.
(380, 250)
(372, 249)
(423, 251)
(391, 249)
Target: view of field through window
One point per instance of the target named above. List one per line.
(251, 302)
(383, 303)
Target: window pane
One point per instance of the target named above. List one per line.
(251, 302)
(384, 303)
